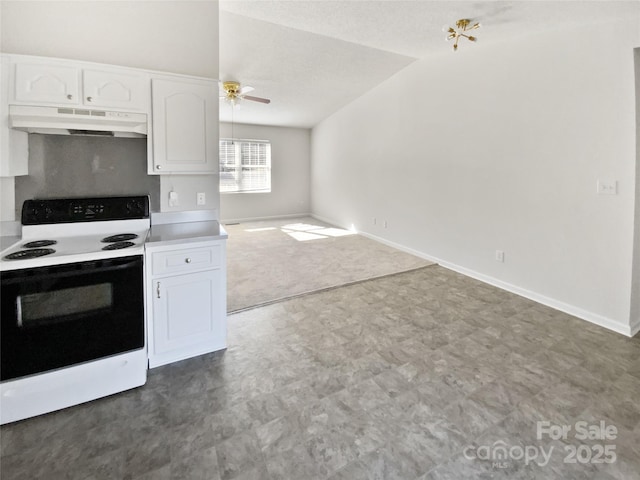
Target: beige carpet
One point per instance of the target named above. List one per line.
(271, 260)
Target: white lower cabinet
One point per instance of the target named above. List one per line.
(186, 301)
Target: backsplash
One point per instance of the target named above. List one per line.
(76, 166)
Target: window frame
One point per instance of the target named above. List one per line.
(241, 167)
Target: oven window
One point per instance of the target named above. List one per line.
(68, 304)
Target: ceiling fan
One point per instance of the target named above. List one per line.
(233, 92)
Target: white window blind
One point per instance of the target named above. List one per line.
(245, 166)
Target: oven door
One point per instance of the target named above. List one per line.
(62, 315)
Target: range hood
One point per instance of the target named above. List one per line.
(77, 121)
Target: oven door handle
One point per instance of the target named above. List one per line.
(69, 270)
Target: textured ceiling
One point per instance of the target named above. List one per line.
(313, 57)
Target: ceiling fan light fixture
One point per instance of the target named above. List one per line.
(233, 93)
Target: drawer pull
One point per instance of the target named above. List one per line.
(89, 99)
(69, 97)
(187, 260)
(158, 289)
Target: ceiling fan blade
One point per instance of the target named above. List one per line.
(256, 99)
(246, 89)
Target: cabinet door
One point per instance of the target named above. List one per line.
(186, 314)
(14, 144)
(47, 84)
(185, 126)
(116, 90)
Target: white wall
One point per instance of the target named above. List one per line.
(177, 36)
(290, 175)
(187, 187)
(174, 36)
(499, 147)
(7, 203)
(635, 285)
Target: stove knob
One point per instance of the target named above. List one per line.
(133, 207)
(38, 211)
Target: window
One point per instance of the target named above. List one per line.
(245, 166)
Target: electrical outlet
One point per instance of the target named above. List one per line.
(499, 256)
(201, 198)
(173, 199)
(607, 187)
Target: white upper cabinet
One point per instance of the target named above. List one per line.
(14, 145)
(54, 84)
(110, 89)
(36, 83)
(185, 126)
(182, 111)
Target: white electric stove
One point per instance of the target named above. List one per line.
(73, 326)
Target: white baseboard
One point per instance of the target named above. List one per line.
(402, 248)
(591, 317)
(257, 219)
(328, 220)
(605, 322)
(331, 221)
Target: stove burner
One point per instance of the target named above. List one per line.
(26, 254)
(39, 243)
(119, 238)
(118, 245)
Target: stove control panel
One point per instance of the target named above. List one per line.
(68, 210)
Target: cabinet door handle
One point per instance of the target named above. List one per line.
(158, 289)
(70, 97)
(159, 167)
(187, 260)
(89, 99)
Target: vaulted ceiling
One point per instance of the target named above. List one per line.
(313, 57)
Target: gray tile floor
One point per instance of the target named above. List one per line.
(405, 377)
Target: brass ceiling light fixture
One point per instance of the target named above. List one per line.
(233, 92)
(462, 27)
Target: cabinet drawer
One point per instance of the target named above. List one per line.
(185, 260)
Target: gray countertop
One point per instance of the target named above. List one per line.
(167, 229)
(185, 232)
